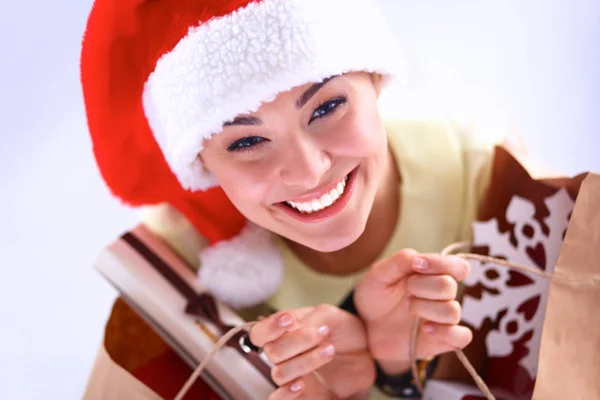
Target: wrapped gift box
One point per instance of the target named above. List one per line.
(163, 290)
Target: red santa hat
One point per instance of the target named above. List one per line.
(161, 76)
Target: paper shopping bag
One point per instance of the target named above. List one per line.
(570, 350)
(523, 219)
(163, 325)
(134, 362)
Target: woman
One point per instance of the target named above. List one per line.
(255, 125)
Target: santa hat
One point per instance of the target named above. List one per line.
(161, 76)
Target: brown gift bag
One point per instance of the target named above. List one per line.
(570, 352)
(135, 363)
(531, 336)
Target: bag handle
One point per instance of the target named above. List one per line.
(562, 279)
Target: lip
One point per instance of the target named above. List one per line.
(328, 212)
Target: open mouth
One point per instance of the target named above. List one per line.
(326, 200)
(325, 206)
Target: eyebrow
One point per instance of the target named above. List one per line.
(311, 91)
(248, 121)
(301, 102)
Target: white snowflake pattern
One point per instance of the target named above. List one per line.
(529, 234)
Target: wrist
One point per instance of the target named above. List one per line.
(396, 385)
(394, 367)
(395, 378)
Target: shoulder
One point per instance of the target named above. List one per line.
(462, 134)
(454, 154)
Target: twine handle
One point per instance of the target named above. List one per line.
(572, 281)
(459, 353)
(218, 346)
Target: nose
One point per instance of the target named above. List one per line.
(305, 165)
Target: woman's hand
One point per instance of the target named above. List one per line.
(323, 339)
(398, 289)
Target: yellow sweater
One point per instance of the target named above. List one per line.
(445, 169)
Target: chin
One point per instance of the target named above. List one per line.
(340, 233)
(331, 245)
(332, 240)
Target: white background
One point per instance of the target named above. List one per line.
(538, 60)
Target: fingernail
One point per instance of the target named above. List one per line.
(419, 264)
(296, 387)
(324, 330)
(429, 328)
(285, 320)
(328, 351)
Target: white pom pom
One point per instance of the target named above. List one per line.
(243, 271)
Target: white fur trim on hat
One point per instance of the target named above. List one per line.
(243, 271)
(232, 64)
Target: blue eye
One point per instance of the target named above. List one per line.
(327, 108)
(245, 143)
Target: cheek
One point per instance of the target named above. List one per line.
(361, 135)
(246, 186)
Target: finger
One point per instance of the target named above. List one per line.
(349, 374)
(434, 264)
(432, 287)
(302, 313)
(383, 281)
(303, 364)
(271, 328)
(441, 312)
(314, 389)
(435, 339)
(341, 322)
(392, 269)
(295, 342)
(452, 336)
(292, 390)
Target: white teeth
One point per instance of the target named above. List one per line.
(323, 202)
(316, 205)
(334, 194)
(326, 200)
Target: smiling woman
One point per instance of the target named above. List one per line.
(259, 133)
(309, 164)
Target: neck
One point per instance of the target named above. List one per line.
(379, 229)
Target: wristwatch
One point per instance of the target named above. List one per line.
(404, 386)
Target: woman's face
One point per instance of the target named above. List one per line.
(307, 165)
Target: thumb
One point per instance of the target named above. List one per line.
(382, 288)
(390, 271)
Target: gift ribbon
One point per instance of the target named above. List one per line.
(202, 306)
